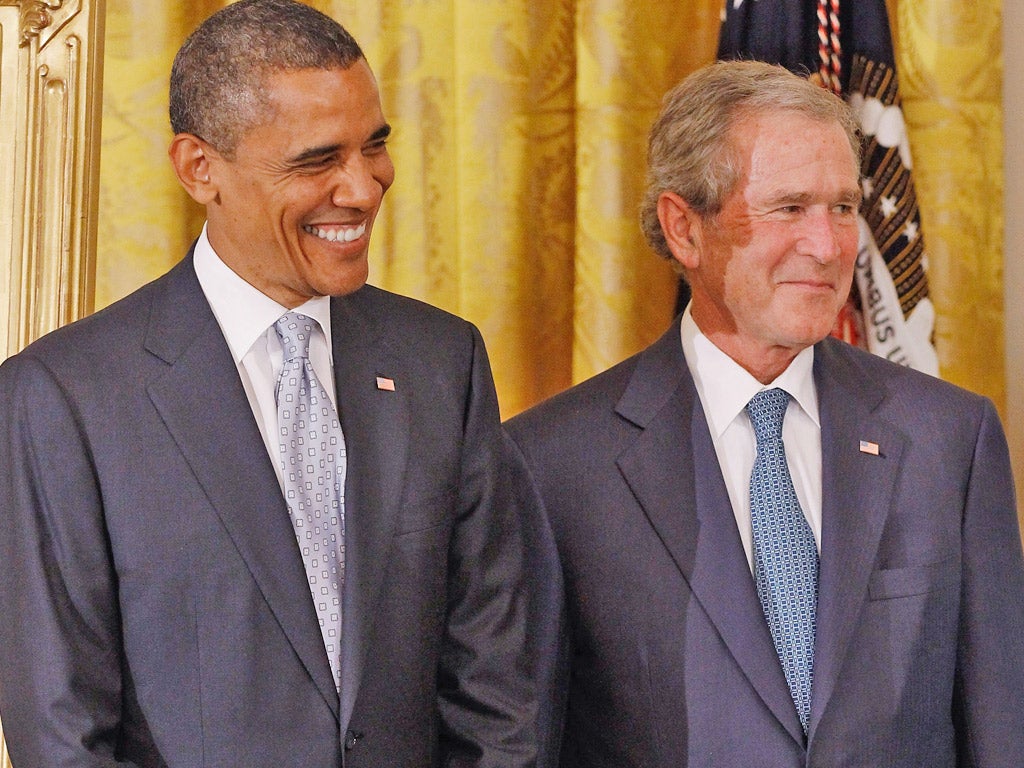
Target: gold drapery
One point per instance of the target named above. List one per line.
(949, 57)
(519, 143)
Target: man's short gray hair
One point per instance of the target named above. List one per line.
(689, 151)
(217, 79)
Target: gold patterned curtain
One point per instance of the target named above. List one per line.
(949, 57)
(520, 131)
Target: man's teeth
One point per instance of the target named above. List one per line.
(337, 234)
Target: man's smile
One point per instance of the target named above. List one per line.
(337, 233)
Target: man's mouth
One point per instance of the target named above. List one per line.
(337, 234)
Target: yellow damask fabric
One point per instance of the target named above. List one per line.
(949, 56)
(519, 143)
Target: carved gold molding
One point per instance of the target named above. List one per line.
(35, 17)
(50, 91)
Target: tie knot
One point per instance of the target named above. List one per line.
(766, 410)
(294, 331)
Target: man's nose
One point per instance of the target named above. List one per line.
(822, 235)
(356, 186)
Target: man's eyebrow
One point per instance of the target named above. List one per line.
(852, 196)
(790, 196)
(316, 153)
(381, 133)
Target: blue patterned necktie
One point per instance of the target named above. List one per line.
(785, 554)
(313, 461)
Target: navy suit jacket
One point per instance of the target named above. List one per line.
(919, 659)
(155, 610)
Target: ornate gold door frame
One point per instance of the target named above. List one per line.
(50, 89)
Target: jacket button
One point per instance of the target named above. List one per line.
(351, 737)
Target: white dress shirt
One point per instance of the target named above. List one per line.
(725, 388)
(246, 318)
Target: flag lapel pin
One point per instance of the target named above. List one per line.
(866, 446)
(385, 384)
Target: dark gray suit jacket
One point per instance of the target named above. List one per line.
(153, 604)
(919, 658)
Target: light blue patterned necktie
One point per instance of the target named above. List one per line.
(785, 554)
(313, 461)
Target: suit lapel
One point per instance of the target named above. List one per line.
(375, 420)
(201, 401)
(673, 471)
(857, 493)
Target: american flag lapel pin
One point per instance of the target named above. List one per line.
(866, 446)
(385, 384)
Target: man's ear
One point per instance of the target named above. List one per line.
(190, 157)
(683, 229)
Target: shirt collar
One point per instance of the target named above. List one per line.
(243, 312)
(725, 387)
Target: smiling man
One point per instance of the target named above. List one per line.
(778, 551)
(257, 513)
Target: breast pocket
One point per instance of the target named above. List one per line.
(914, 580)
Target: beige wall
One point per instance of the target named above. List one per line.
(1013, 99)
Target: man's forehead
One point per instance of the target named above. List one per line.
(308, 93)
(775, 136)
(793, 124)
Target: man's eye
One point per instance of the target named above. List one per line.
(312, 167)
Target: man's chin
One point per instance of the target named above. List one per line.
(808, 335)
(342, 285)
